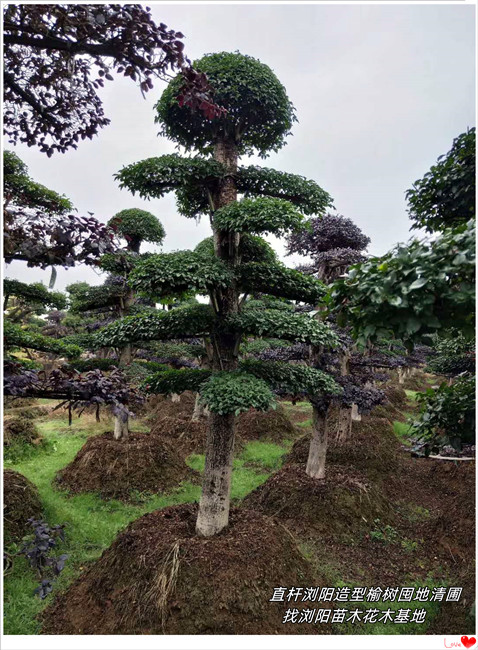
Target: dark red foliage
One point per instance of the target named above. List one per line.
(58, 56)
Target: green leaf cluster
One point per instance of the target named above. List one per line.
(445, 196)
(195, 320)
(257, 216)
(413, 291)
(236, 392)
(292, 379)
(251, 249)
(258, 116)
(278, 280)
(280, 324)
(136, 226)
(23, 191)
(303, 193)
(176, 273)
(176, 381)
(15, 336)
(35, 293)
(448, 410)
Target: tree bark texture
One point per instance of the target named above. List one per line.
(318, 444)
(214, 504)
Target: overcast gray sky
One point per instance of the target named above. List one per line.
(380, 93)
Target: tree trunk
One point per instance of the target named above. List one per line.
(175, 397)
(345, 424)
(199, 409)
(356, 417)
(215, 498)
(126, 355)
(121, 427)
(401, 376)
(213, 513)
(318, 444)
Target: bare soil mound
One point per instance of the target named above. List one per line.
(341, 505)
(19, 430)
(189, 437)
(273, 425)
(20, 502)
(143, 463)
(373, 449)
(158, 577)
(160, 407)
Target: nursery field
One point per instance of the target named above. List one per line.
(381, 518)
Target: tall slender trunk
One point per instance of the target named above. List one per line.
(318, 444)
(401, 376)
(213, 513)
(199, 409)
(344, 428)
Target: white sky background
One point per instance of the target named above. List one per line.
(380, 92)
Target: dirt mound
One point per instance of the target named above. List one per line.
(273, 425)
(340, 505)
(188, 437)
(19, 430)
(159, 407)
(159, 578)
(372, 449)
(20, 502)
(114, 468)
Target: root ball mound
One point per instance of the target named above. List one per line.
(20, 502)
(160, 407)
(158, 577)
(338, 506)
(372, 449)
(19, 430)
(114, 468)
(273, 425)
(188, 437)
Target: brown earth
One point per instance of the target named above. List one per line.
(420, 519)
(158, 577)
(113, 468)
(189, 437)
(20, 502)
(19, 430)
(373, 449)
(342, 504)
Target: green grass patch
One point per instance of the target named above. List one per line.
(244, 479)
(403, 430)
(266, 454)
(305, 424)
(92, 524)
(412, 394)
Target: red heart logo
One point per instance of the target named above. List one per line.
(468, 641)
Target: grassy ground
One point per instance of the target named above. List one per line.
(92, 524)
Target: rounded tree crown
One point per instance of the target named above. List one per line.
(137, 226)
(259, 114)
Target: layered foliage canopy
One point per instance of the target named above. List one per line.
(258, 114)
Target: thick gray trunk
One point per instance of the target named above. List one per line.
(345, 424)
(318, 445)
(121, 427)
(216, 487)
(213, 513)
